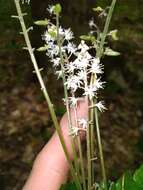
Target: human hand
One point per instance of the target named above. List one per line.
(50, 168)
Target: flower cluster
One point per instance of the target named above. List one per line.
(76, 64)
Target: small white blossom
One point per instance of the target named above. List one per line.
(73, 83)
(56, 62)
(61, 31)
(68, 34)
(59, 73)
(90, 91)
(53, 50)
(83, 47)
(70, 67)
(96, 67)
(100, 105)
(99, 84)
(47, 37)
(73, 101)
(71, 48)
(82, 61)
(84, 55)
(74, 131)
(50, 9)
(92, 23)
(82, 75)
(83, 123)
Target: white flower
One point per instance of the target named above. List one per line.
(83, 123)
(70, 67)
(68, 34)
(71, 48)
(100, 105)
(73, 101)
(61, 31)
(84, 55)
(73, 83)
(74, 131)
(92, 23)
(59, 73)
(82, 61)
(50, 9)
(96, 67)
(90, 91)
(53, 50)
(56, 62)
(82, 75)
(83, 47)
(99, 84)
(47, 37)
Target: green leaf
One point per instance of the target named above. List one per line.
(130, 184)
(110, 52)
(112, 186)
(113, 34)
(57, 9)
(98, 9)
(138, 176)
(41, 22)
(88, 38)
(44, 48)
(68, 186)
(127, 183)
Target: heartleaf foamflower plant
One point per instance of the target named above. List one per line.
(81, 73)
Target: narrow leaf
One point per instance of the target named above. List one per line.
(110, 52)
(88, 38)
(44, 48)
(41, 22)
(113, 34)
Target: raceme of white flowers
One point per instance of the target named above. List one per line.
(77, 65)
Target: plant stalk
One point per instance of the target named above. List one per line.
(67, 103)
(106, 28)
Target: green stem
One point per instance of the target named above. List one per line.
(92, 141)
(88, 139)
(80, 151)
(66, 100)
(63, 75)
(81, 163)
(99, 54)
(106, 28)
(43, 88)
(100, 149)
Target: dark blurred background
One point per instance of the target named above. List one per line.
(25, 124)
